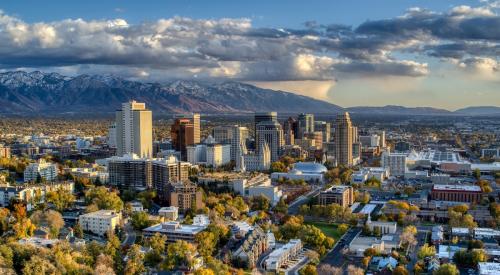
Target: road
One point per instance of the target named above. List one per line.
(422, 233)
(335, 256)
(293, 208)
(129, 235)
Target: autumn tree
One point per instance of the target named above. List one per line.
(60, 198)
(135, 259)
(426, 251)
(446, 269)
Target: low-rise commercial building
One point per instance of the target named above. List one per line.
(175, 231)
(169, 213)
(100, 222)
(366, 173)
(461, 193)
(311, 172)
(30, 194)
(382, 227)
(342, 195)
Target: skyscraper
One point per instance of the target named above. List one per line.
(239, 138)
(264, 116)
(183, 134)
(134, 130)
(270, 132)
(323, 127)
(305, 124)
(343, 140)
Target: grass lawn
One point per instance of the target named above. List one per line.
(329, 229)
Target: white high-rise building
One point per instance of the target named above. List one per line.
(396, 162)
(134, 130)
(239, 136)
(40, 170)
(270, 133)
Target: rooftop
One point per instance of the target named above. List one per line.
(456, 187)
(101, 214)
(171, 227)
(310, 167)
(489, 268)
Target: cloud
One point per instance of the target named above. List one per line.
(181, 47)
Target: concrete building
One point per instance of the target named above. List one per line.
(134, 130)
(255, 161)
(459, 193)
(325, 128)
(184, 195)
(343, 140)
(486, 268)
(270, 133)
(240, 136)
(311, 172)
(175, 231)
(223, 134)
(257, 185)
(281, 256)
(493, 153)
(100, 222)
(30, 194)
(395, 162)
(264, 116)
(111, 139)
(366, 173)
(182, 133)
(169, 213)
(342, 195)
(166, 171)
(213, 155)
(305, 124)
(360, 244)
(383, 227)
(130, 172)
(40, 170)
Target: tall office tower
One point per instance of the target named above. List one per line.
(305, 125)
(355, 135)
(382, 139)
(134, 130)
(290, 130)
(112, 135)
(223, 134)
(239, 137)
(195, 118)
(324, 127)
(264, 116)
(270, 132)
(182, 134)
(343, 140)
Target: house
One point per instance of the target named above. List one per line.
(382, 263)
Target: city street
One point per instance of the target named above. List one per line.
(335, 257)
(293, 208)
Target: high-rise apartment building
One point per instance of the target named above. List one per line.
(270, 132)
(130, 172)
(112, 135)
(166, 171)
(184, 195)
(305, 124)
(343, 140)
(134, 130)
(41, 170)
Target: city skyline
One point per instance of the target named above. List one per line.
(403, 53)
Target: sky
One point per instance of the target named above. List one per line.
(435, 53)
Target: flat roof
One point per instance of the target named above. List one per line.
(456, 187)
(182, 228)
(489, 268)
(367, 209)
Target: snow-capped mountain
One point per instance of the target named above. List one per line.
(24, 93)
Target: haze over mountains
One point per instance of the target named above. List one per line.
(38, 93)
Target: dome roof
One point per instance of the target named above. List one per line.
(310, 167)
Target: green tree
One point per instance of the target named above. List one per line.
(38, 265)
(260, 202)
(281, 207)
(308, 270)
(179, 253)
(207, 242)
(78, 230)
(140, 220)
(446, 269)
(278, 166)
(476, 173)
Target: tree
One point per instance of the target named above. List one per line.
(104, 265)
(157, 244)
(326, 269)
(308, 270)
(476, 173)
(204, 271)
(179, 253)
(60, 198)
(278, 166)
(426, 251)
(103, 198)
(408, 236)
(134, 261)
(400, 270)
(446, 269)
(78, 230)
(140, 220)
(207, 242)
(342, 229)
(281, 207)
(50, 218)
(38, 265)
(260, 202)
(353, 270)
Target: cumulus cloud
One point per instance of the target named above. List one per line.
(233, 48)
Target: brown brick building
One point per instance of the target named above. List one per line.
(184, 195)
(461, 193)
(342, 195)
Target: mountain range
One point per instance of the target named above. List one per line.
(38, 93)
